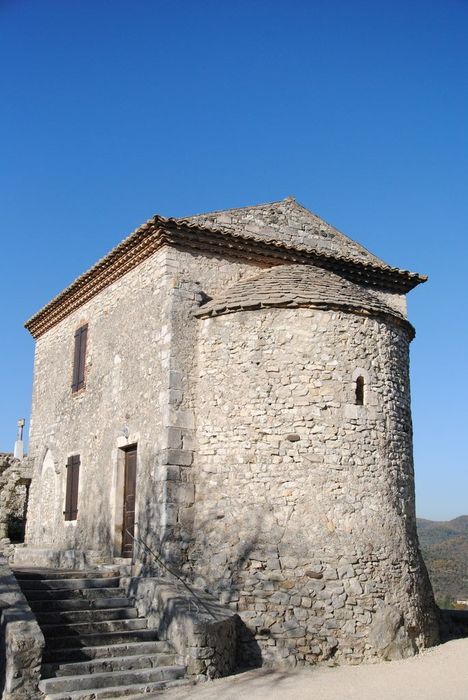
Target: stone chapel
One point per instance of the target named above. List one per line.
(232, 389)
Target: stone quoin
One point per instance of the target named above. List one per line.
(233, 390)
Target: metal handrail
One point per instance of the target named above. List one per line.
(138, 540)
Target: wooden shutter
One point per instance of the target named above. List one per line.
(71, 496)
(79, 358)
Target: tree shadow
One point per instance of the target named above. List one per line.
(177, 558)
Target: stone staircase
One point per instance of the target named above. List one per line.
(96, 646)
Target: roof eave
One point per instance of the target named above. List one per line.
(160, 231)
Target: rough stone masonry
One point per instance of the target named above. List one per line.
(15, 478)
(258, 362)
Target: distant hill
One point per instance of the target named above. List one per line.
(444, 547)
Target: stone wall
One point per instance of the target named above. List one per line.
(120, 405)
(191, 278)
(15, 477)
(138, 390)
(304, 514)
(203, 632)
(21, 642)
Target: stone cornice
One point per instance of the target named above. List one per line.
(301, 286)
(159, 232)
(344, 307)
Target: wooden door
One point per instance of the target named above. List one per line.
(129, 502)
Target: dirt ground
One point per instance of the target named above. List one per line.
(440, 673)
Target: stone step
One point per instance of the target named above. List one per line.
(85, 604)
(68, 583)
(89, 640)
(60, 617)
(156, 694)
(130, 692)
(67, 593)
(109, 663)
(96, 646)
(85, 628)
(124, 565)
(110, 679)
(88, 653)
(23, 574)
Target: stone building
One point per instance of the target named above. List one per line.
(233, 390)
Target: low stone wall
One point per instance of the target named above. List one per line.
(203, 632)
(21, 641)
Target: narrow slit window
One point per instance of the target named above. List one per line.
(360, 391)
(71, 495)
(79, 358)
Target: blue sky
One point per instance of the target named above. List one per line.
(112, 111)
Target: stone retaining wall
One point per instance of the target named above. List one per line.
(15, 477)
(21, 641)
(203, 632)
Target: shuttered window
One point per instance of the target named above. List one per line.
(79, 358)
(71, 496)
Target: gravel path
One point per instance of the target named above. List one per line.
(440, 673)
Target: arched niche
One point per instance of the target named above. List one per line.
(49, 491)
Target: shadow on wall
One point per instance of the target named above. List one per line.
(230, 581)
(168, 557)
(98, 535)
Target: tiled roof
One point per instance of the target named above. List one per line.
(374, 269)
(191, 235)
(297, 285)
(287, 221)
